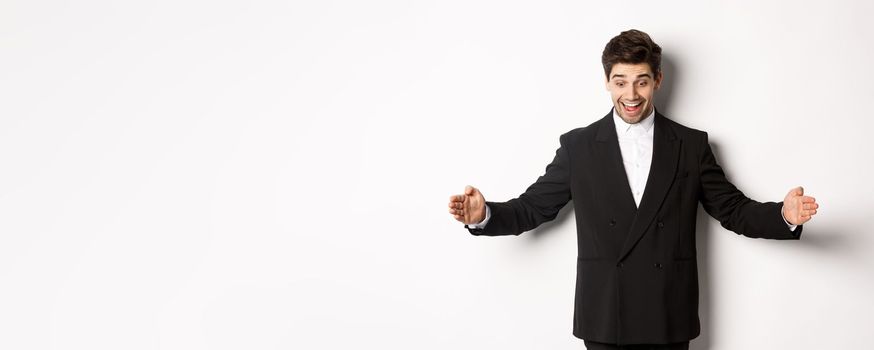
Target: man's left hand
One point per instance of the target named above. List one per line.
(798, 208)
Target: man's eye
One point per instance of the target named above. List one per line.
(620, 84)
(643, 83)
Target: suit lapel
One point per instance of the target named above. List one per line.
(610, 160)
(665, 155)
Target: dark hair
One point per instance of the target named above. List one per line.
(632, 46)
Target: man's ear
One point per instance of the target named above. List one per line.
(658, 80)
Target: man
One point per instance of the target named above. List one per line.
(636, 178)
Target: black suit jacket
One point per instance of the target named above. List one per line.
(637, 274)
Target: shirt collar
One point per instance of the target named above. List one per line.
(622, 127)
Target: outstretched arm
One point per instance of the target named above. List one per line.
(541, 202)
(742, 215)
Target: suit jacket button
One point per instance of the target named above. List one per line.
(661, 224)
(620, 265)
(658, 265)
(612, 222)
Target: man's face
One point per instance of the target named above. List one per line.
(632, 88)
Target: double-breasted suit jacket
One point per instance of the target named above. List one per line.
(637, 274)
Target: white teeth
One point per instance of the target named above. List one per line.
(631, 105)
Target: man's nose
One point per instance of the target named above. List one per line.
(633, 94)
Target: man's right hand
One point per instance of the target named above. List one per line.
(468, 208)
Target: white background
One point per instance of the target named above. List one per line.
(275, 175)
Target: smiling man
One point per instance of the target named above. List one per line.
(636, 178)
(631, 87)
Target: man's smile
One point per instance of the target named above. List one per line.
(631, 107)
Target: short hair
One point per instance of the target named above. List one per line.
(632, 47)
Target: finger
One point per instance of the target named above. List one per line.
(468, 190)
(456, 198)
(799, 190)
(459, 218)
(807, 199)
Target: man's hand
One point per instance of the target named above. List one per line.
(798, 208)
(470, 207)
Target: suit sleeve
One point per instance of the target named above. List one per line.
(539, 203)
(737, 213)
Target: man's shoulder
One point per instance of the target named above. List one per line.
(583, 132)
(577, 133)
(683, 131)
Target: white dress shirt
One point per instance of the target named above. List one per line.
(635, 142)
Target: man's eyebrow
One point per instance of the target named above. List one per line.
(644, 75)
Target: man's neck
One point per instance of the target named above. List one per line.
(646, 121)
